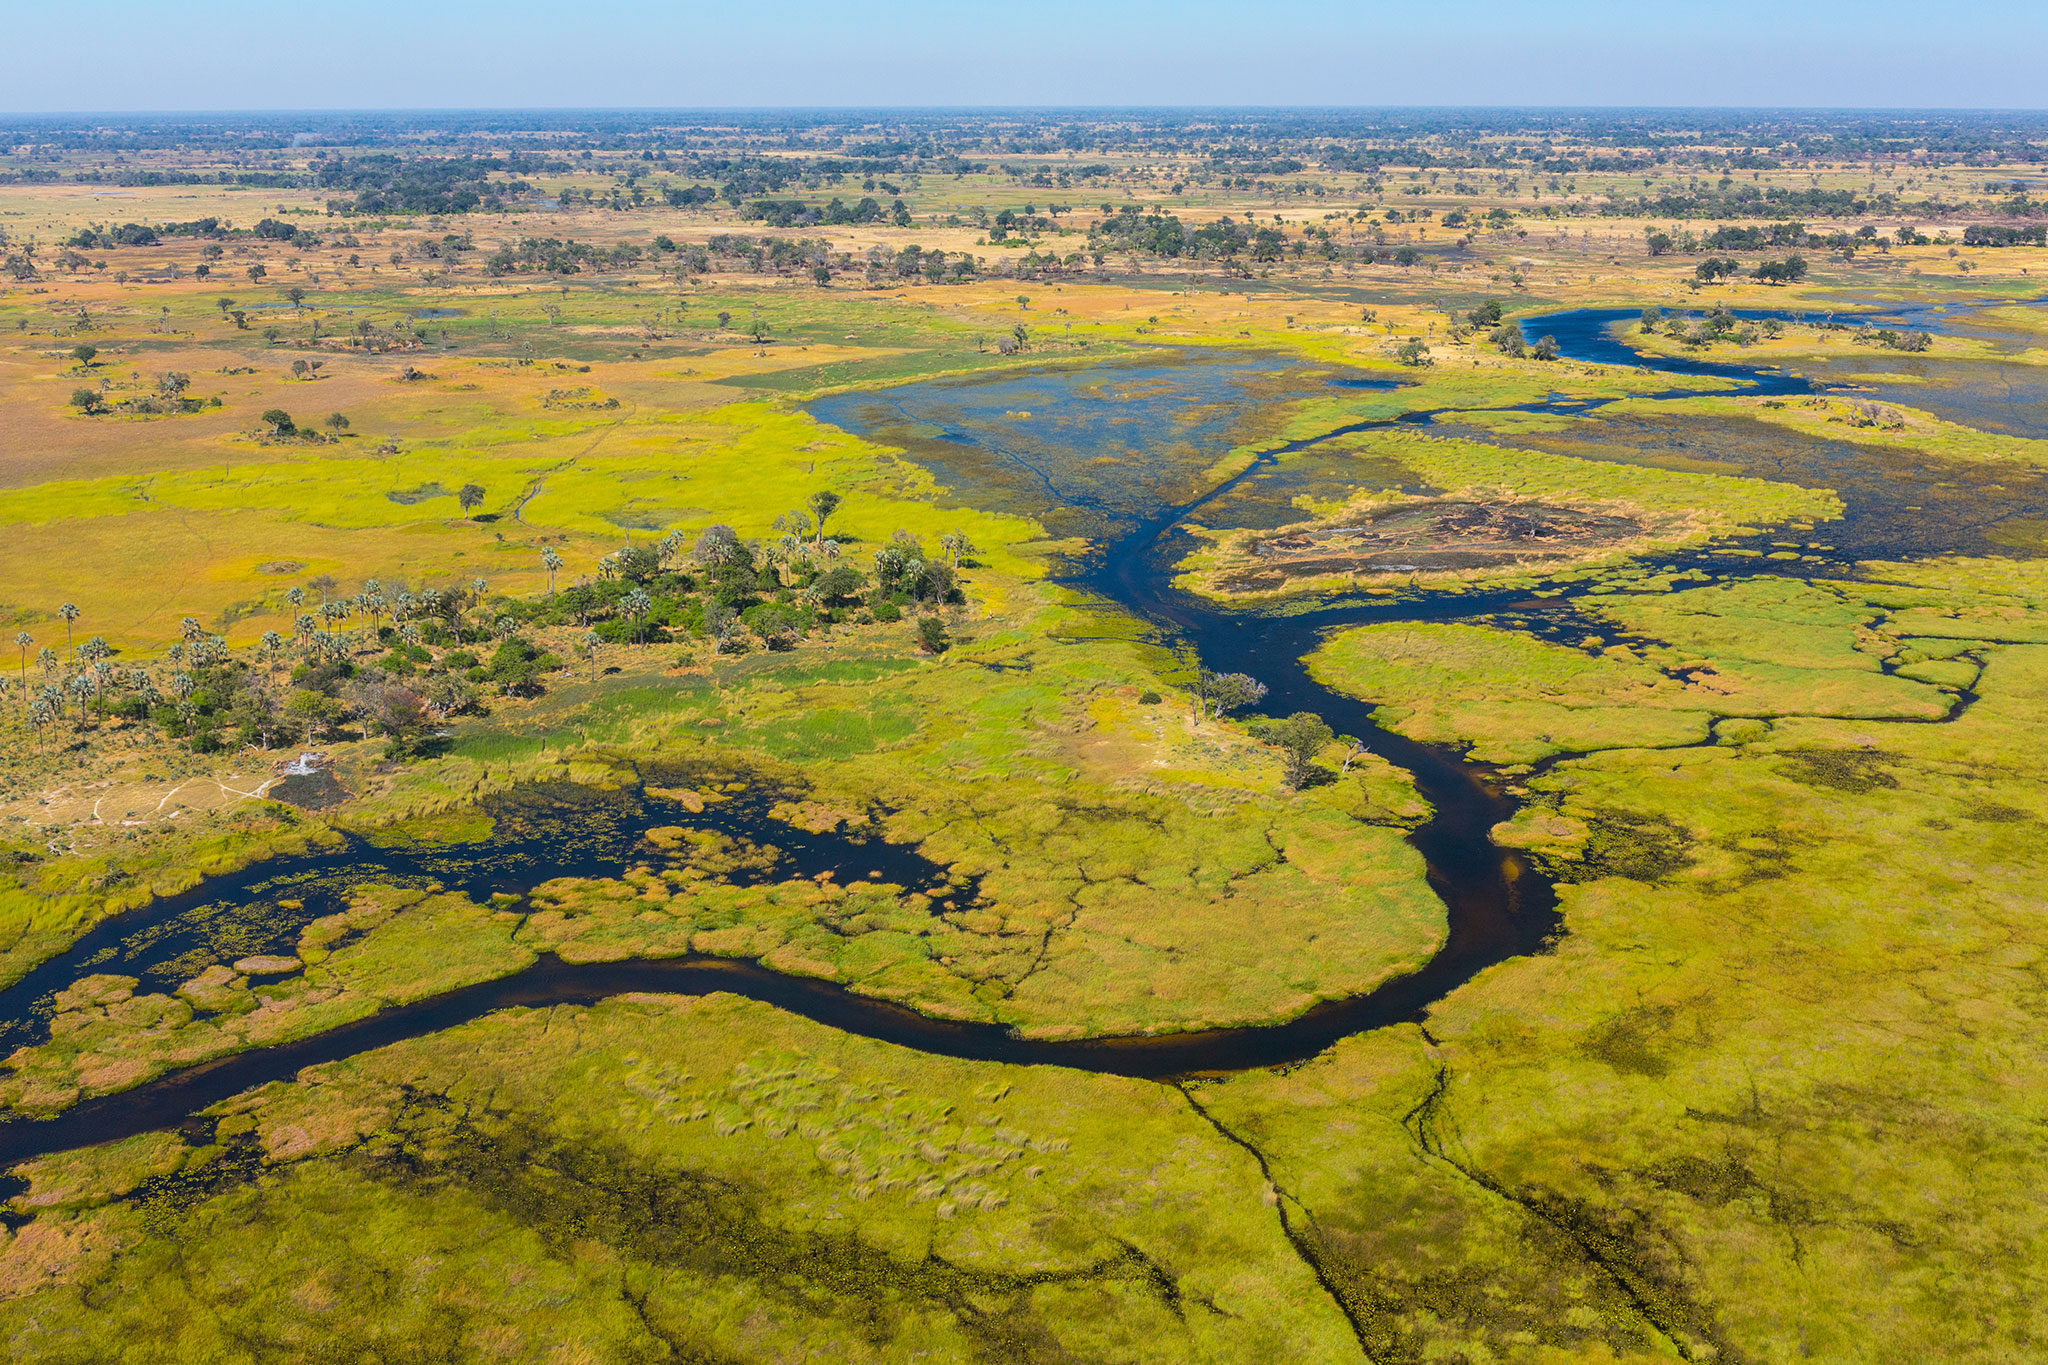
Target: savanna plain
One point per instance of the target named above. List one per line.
(1295, 736)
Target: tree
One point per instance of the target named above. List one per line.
(86, 401)
(552, 562)
(1414, 353)
(956, 544)
(336, 423)
(298, 298)
(931, 635)
(298, 369)
(1302, 735)
(70, 614)
(314, 710)
(84, 355)
(759, 329)
(22, 640)
(224, 303)
(823, 504)
(636, 604)
(470, 497)
(280, 423)
(1546, 348)
(1217, 694)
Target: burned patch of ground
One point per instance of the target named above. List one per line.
(1414, 537)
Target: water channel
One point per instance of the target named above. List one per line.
(1113, 454)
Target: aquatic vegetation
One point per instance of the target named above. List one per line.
(1485, 514)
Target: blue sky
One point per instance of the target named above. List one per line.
(239, 54)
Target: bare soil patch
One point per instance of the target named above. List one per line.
(1410, 537)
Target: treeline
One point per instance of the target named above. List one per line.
(101, 235)
(1163, 234)
(785, 213)
(556, 256)
(385, 182)
(1751, 201)
(400, 663)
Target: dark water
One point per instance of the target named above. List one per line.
(1116, 455)
(1994, 395)
(540, 833)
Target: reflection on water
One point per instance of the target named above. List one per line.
(1999, 396)
(1899, 504)
(538, 833)
(1088, 452)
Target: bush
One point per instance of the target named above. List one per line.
(1148, 698)
(931, 635)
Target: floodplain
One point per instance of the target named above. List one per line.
(654, 748)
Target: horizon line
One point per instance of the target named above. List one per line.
(1072, 108)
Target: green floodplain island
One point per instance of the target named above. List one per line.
(816, 738)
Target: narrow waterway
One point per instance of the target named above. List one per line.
(1114, 452)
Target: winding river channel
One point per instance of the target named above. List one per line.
(1106, 453)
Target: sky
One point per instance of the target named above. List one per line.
(470, 54)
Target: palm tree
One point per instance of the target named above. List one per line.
(22, 640)
(551, 561)
(70, 614)
(46, 659)
(636, 605)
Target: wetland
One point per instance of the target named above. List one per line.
(871, 790)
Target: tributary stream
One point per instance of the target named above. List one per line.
(1113, 453)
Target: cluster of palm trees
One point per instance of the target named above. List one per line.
(91, 679)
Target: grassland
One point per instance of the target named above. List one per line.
(1769, 1096)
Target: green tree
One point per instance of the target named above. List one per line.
(84, 355)
(280, 422)
(86, 401)
(1302, 735)
(552, 562)
(931, 635)
(70, 614)
(470, 497)
(336, 423)
(1218, 694)
(823, 504)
